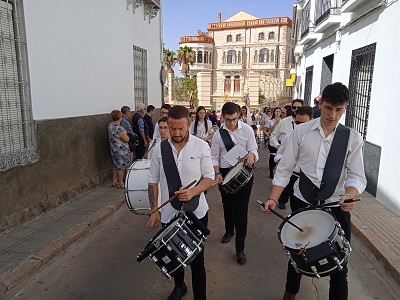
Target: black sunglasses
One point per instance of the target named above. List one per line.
(295, 107)
(298, 122)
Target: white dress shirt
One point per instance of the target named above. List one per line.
(309, 148)
(156, 134)
(193, 162)
(243, 135)
(201, 129)
(281, 150)
(284, 127)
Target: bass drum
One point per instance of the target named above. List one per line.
(136, 188)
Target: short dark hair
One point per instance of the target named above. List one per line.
(116, 115)
(150, 108)
(229, 108)
(125, 109)
(305, 110)
(178, 112)
(163, 119)
(289, 111)
(298, 100)
(166, 106)
(192, 112)
(336, 94)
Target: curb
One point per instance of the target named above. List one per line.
(36, 261)
(373, 243)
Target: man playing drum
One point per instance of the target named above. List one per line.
(330, 159)
(190, 158)
(235, 205)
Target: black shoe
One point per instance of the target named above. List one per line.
(178, 292)
(282, 206)
(227, 237)
(241, 258)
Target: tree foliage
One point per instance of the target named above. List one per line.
(185, 89)
(185, 57)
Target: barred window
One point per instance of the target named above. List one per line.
(17, 133)
(140, 75)
(360, 83)
(308, 85)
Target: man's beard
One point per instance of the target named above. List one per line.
(181, 139)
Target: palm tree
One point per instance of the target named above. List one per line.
(170, 60)
(185, 58)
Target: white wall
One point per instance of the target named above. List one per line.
(81, 58)
(383, 122)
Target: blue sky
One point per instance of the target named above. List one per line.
(184, 17)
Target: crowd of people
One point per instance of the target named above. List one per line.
(313, 160)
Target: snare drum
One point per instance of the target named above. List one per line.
(237, 178)
(321, 249)
(175, 246)
(136, 187)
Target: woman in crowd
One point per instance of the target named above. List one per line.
(119, 148)
(201, 127)
(268, 128)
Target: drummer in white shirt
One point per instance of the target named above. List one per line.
(235, 205)
(309, 147)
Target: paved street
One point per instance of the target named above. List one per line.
(103, 265)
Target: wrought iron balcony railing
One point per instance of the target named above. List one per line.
(325, 8)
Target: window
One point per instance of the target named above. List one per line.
(200, 57)
(229, 38)
(308, 85)
(236, 84)
(140, 75)
(238, 38)
(227, 84)
(206, 57)
(271, 35)
(210, 59)
(264, 56)
(17, 133)
(239, 58)
(194, 57)
(231, 59)
(261, 36)
(272, 56)
(360, 83)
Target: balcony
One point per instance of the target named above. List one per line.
(250, 23)
(327, 15)
(156, 3)
(264, 66)
(196, 39)
(200, 67)
(232, 66)
(358, 5)
(310, 38)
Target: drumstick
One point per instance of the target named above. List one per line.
(280, 216)
(337, 202)
(173, 197)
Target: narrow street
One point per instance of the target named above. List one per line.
(103, 265)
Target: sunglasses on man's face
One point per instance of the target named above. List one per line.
(295, 107)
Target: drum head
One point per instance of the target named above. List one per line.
(140, 164)
(233, 172)
(317, 225)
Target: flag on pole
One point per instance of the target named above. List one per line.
(248, 117)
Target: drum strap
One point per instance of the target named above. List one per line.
(174, 180)
(226, 138)
(332, 170)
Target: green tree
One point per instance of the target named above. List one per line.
(170, 60)
(185, 89)
(261, 97)
(185, 57)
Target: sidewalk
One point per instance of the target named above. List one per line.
(27, 249)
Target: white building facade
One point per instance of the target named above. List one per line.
(354, 42)
(64, 67)
(243, 55)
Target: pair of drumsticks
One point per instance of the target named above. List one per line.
(174, 196)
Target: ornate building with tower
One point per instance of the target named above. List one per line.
(243, 56)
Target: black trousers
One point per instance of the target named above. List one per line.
(198, 272)
(288, 190)
(235, 211)
(338, 289)
(140, 150)
(272, 153)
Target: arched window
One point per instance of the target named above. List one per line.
(272, 56)
(229, 38)
(227, 84)
(231, 59)
(261, 36)
(238, 38)
(236, 84)
(206, 57)
(194, 57)
(264, 56)
(271, 35)
(239, 57)
(200, 57)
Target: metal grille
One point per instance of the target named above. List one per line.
(17, 136)
(326, 72)
(360, 83)
(324, 8)
(305, 20)
(140, 75)
(308, 85)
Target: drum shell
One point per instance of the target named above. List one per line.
(322, 255)
(237, 182)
